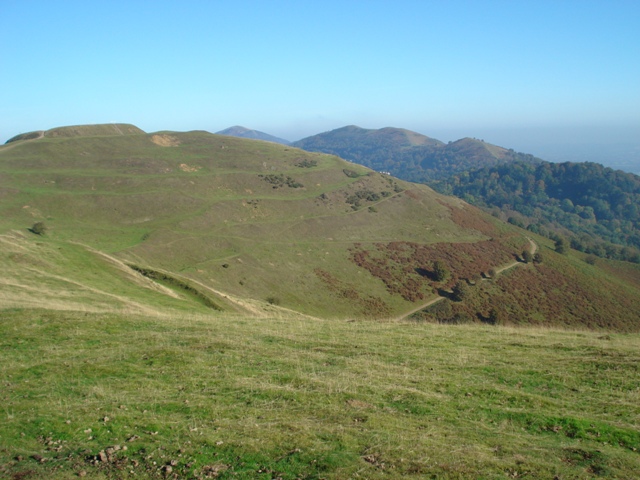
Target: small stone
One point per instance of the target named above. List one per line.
(173, 463)
(82, 473)
(105, 419)
(103, 456)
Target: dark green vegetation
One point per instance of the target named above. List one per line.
(243, 132)
(594, 205)
(409, 155)
(112, 396)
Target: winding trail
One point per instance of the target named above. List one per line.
(533, 250)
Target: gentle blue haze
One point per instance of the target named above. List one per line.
(534, 76)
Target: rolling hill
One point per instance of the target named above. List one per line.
(173, 305)
(243, 132)
(201, 222)
(408, 155)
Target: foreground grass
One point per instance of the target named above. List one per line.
(110, 396)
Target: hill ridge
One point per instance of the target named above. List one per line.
(407, 154)
(243, 132)
(99, 129)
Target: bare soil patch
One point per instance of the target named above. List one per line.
(165, 140)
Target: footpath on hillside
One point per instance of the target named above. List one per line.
(533, 250)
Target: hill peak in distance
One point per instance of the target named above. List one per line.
(243, 132)
(406, 154)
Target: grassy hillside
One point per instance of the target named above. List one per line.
(252, 219)
(126, 396)
(213, 222)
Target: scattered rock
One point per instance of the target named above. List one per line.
(133, 438)
(214, 471)
(82, 473)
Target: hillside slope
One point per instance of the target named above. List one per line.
(408, 155)
(254, 227)
(594, 205)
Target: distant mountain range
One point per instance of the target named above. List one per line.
(409, 155)
(243, 132)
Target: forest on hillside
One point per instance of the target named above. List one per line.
(596, 206)
(414, 163)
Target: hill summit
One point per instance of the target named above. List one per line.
(98, 130)
(409, 155)
(244, 132)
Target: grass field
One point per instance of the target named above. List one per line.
(226, 396)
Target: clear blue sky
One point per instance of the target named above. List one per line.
(511, 72)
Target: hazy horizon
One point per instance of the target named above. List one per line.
(547, 78)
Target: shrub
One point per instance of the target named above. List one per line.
(561, 246)
(350, 173)
(440, 271)
(461, 290)
(591, 259)
(273, 300)
(39, 228)
(527, 257)
(306, 163)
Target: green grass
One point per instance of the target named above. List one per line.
(204, 202)
(290, 397)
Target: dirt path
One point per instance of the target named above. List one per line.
(533, 250)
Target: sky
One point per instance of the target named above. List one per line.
(530, 75)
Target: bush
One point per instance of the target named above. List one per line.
(561, 246)
(440, 271)
(527, 257)
(273, 300)
(39, 228)
(591, 259)
(461, 290)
